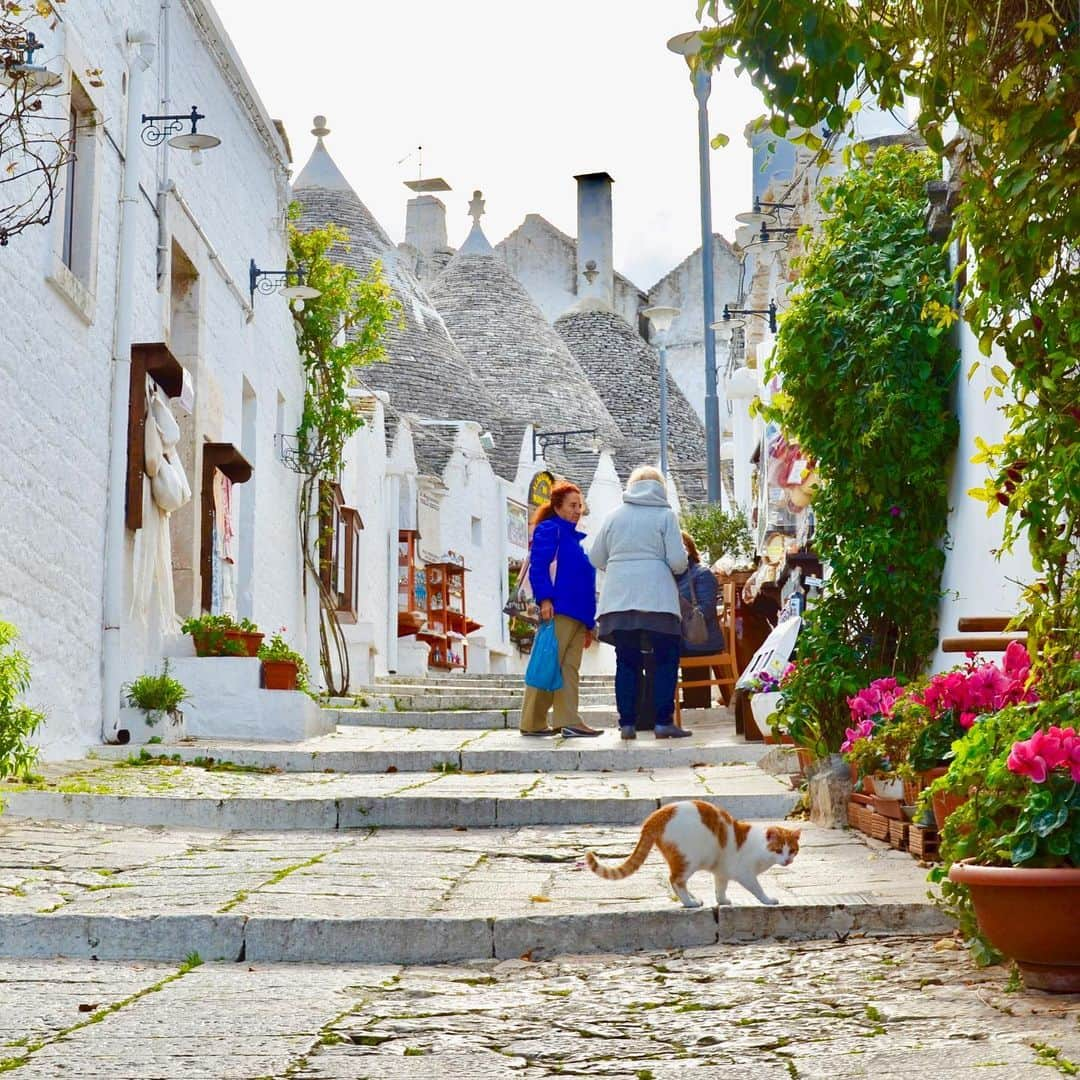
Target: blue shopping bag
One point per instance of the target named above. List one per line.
(544, 671)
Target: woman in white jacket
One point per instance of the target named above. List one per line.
(640, 548)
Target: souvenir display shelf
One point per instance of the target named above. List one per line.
(447, 624)
(411, 585)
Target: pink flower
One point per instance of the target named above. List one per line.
(1023, 761)
(967, 719)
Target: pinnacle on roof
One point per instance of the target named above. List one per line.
(321, 170)
(476, 243)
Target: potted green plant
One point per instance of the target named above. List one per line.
(1011, 850)
(210, 634)
(248, 635)
(152, 700)
(283, 668)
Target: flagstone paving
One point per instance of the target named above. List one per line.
(900, 1008)
(178, 795)
(381, 749)
(101, 890)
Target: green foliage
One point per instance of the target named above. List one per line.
(156, 695)
(339, 331)
(211, 630)
(277, 648)
(980, 828)
(1007, 77)
(718, 533)
(18, 721)
(866, 383)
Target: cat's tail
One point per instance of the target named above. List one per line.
(636, 858)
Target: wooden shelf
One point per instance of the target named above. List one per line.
(447, 626)
(226, 457)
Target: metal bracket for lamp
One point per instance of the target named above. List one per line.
(268, 281)
(762, 313)
(758, 216)
(541, 440)
(169, 128)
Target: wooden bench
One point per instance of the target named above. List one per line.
(986, 633)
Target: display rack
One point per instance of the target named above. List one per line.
(447, 624)
(411, 585)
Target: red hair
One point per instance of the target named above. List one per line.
(559, 493)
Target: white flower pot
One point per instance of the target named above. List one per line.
(889, 788)
(763, 706)
(142, 727)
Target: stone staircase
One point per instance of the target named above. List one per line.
(423, 828)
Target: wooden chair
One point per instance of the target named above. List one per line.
(725, 659)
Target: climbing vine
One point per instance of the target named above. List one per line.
(998, 89)
(337, 332)
(866, 377)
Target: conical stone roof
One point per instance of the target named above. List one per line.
(425, 372)
(625, 372)
(520, 359)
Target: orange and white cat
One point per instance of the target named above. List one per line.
(695, 836)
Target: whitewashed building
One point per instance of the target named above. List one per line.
(145, 264)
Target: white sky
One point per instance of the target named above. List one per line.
(510, 97)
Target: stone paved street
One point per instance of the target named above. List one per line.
(905, 1008)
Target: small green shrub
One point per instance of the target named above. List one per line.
(720, 532)
(212, 629)
(156, 695)
(17, 720)
(277, 648)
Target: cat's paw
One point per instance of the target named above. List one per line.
(693, 902)
(723, 901)
(770, 900)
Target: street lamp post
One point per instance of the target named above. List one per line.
(661, 319)
(688, 46)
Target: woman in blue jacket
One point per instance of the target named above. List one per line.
(564, 584)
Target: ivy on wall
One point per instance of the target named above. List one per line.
(866, 375)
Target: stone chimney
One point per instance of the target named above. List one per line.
(425, 224)
(595, 264)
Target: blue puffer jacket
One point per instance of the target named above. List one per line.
(573, 591)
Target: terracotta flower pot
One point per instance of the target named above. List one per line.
(944, 804)
(279, 674)
(1030, 916)
(914, 788)
(250, 641)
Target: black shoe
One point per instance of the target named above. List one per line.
(541, 733)
(580, 733)
(627, 732)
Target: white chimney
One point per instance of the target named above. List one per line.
(425, 224)
(595, 263)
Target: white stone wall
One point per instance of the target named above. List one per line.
(974, 581)
(544, 260)
(55, 360)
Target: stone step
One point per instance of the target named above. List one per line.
(476, 682)
(506, 699)
(379, 750)
(111, 892)
(195, 797)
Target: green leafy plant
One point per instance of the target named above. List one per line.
(866, 379)
(342, 329)
(213, 630)
(277, 648)
(719, 532)
(18, 721)
(156, 695)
